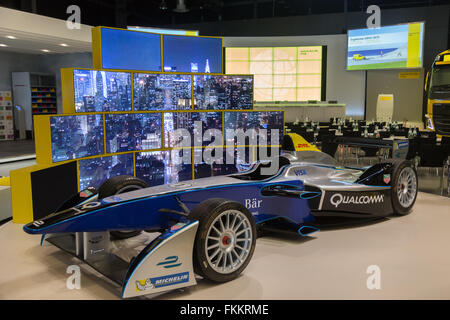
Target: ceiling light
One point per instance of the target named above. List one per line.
(11, 37)
(3, 45)
(45, 50)
(64, 45)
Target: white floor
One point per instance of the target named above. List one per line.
(411, 251)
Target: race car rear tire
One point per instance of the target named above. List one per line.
(117, 185)
(225, 239)
(404, 187)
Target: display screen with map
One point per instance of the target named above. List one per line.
(76, 137)
(101, 91)
(390, 47)
(221, 92)
(192, 54)
(93, 172)
(133, 131)
(162, 91)
(281, 73)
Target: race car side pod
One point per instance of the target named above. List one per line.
(164, 264)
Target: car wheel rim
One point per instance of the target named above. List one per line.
(406, 187)
(228, 241)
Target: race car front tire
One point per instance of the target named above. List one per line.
(117, 185)
(225, 239)
(404, 187)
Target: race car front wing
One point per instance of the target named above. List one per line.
(164, 264)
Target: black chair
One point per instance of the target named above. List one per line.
(431, 155)
(351, 133)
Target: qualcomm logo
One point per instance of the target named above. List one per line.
(338, 199)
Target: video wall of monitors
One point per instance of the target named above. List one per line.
(74, 137)
(101, 136)
(133, 131)
(130, 50)
(153, 91)
(281, 73)
(101, 91)
(93, 172)
(218, 92)
(111, 91)
(192, 54)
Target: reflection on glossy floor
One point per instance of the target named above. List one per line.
(17, 148)
(411, 252)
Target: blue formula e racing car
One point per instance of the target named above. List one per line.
(208, 227)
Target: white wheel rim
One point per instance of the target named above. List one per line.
(406, 187)
(228, 241)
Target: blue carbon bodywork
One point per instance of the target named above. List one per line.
(144, 213)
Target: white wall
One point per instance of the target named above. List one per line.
(15, 62)
(408, 93)
(344, 86)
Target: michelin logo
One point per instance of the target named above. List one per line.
(164, 281)
(338, 199)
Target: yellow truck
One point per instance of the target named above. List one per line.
(358, 56)
(437, 87)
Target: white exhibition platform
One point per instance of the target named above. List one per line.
(411, 252)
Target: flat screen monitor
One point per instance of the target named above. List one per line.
(162, 92)
(186, 120)
(254, 121)
(133, 131)
(281, 73)
(192, 54)
(76, 137)
(219, 92)
(389, 47)
(93, 172)
(101, 91)
(162, 167)
(130, 50)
